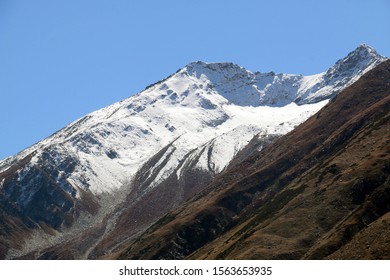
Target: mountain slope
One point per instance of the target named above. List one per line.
(317, 192)
(111, 168)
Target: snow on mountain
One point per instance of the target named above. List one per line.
(198, 104)
(341, 75)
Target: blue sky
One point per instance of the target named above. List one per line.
(60, 60)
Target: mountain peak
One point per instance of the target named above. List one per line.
(208, 67)
(366, 51)
(363, 58)
(365, 46)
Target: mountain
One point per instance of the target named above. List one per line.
(108, 176)
(320, 191)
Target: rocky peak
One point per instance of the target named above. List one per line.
(217, 72)
(365, 50)
(356, 61)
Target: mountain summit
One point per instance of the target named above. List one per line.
(117, 170)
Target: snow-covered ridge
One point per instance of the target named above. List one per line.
(221, 103)
(243, 87)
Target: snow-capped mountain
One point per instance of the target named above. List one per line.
(194, 121)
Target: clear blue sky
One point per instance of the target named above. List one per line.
(60, 60)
